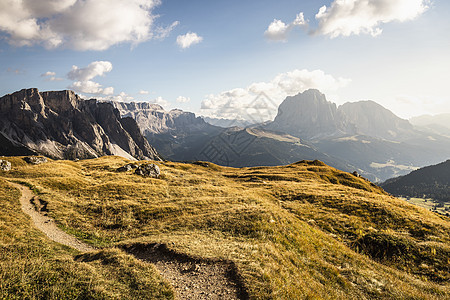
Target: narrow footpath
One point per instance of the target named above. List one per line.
(191, 278)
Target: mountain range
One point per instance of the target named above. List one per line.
(361, 136)
(61, 125)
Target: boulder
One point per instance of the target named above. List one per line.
(148, 170)
(35, 160)
(127, 167)
(5, 165)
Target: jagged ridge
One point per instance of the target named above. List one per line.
(61, 125)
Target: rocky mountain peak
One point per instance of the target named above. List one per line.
(62, 125)
(307, 115)
(372, 119)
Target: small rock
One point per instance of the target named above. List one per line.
(35, 160)
(5, 165)
(355, 174)
(148, 170)
(127, 167)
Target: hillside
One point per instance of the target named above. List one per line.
(428, 182)
(303, 230)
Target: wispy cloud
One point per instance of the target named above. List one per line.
(51, 76)
(15, 71)
(278, 30)
(182, 99)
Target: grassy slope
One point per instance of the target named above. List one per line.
(304, 230)
(33, 267)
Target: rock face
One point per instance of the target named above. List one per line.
(61, 125)
(371, 119)
(127, 167)
(5, 165)
(152, 119)
(35, 160)
(307, 115)
(176, 134)
(310, 116)
(148, 170)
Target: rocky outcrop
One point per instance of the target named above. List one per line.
(148, 170)
(61, 125)
(35, 160)
(5, 165)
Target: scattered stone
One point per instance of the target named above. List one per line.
(5, 165)
(35, 160)
(148, 170)
(127, 167)
(201, 163)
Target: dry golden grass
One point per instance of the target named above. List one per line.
(300, 231)
(33, 267)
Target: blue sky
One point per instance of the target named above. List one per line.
(395, 52)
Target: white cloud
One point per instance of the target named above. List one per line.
(94, 69)
(142, 92)
(122, 97)
(79, 24)
(345, 18)
(278, 30)
(91, 87)
(48, 73)
(259, 101)
(161, 101)
(189, 39)
(182, 99)
(51, 76)
(83, 78)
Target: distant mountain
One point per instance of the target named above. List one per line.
(429, 182)
(307, 115)
(371, 119)
(176, 134)
(310, 116)
(363, 134)
(181, 136)
(61, 125)
(241, 147)
(438, 124)
(227, 123)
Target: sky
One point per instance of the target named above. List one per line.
(222, 58)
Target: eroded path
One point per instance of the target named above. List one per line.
(191, 278)
(36, 209)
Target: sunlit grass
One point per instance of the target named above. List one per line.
(298, 231)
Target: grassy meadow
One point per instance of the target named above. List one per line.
(302, 231)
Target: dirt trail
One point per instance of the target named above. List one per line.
(191, 278)
(37, 210)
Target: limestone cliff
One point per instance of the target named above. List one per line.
(61, 125)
